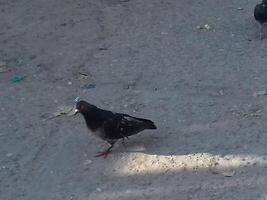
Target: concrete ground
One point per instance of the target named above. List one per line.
(193, 67)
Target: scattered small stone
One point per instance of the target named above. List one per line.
(89, 86)
(98, 189)
(228, 174)
(240, 8)
(104, 47)
(206, 26)
(256, 113)
(221, 92)
(84, 76)
(87, 162)
(260, 93)
(3, 67)
(129, 85)
(69, 83)
(97, 55)
(9, 155)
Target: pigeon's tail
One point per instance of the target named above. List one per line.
(147, 124)
(150, 125)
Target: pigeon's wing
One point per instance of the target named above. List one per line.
(122, 125)
(148, 124)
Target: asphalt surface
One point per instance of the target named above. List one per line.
(193, 67)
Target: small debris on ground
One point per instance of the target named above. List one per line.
(256, 113)
(221, 92)
(64, 110)
(260, 93)
(104, 47)
(206, 26)
(84, 76)
(89, 86)
(3, 67)
(224, 173)
(87, 162)
(228, 174)
(17, 79)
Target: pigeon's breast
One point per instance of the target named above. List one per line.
(99, 133)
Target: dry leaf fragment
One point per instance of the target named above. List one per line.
(64, 110)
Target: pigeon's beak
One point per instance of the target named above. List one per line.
(76, 111)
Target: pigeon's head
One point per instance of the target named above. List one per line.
(83, 107)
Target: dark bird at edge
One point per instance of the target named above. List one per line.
(110, 126)
(260, 14)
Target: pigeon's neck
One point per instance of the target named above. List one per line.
(92, 120)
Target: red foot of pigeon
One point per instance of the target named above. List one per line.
(103, 153)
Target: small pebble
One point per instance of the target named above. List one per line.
(87, 162)
(207, 27)
(228, 174)
(260, 93)
(9, 155)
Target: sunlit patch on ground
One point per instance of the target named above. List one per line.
(140, 163)
(184, 174)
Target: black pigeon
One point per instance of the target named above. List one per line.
(111, 126)
(260, 14)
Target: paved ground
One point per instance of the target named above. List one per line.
(190, 66)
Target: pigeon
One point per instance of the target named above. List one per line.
(110, 126)
(260, 14)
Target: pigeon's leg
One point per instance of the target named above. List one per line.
(106, 152)
(123, 139)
